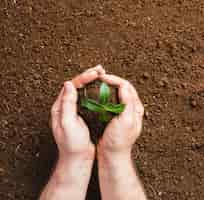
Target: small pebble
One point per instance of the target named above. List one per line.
(163, 82)
(2, 170)
(184, 85)
(193, 103)
(146, 114)
(134, 24)
(146, 75)
(145, 105)
(141, 82)
(188, 128)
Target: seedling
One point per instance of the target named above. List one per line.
(104, 107)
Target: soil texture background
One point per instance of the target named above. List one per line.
(157, 45)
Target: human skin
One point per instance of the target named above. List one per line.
(76, 152)
(118, 178)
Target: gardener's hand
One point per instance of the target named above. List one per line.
(117, 175)
(76, 152)
(123, 130)
(70, 131)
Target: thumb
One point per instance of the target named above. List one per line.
(127, 98)
(69, 103)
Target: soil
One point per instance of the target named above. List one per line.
(157, 45)
(92, 119)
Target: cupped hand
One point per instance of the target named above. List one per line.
(123, 130)
(70, 131)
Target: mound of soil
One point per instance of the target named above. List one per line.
(92, 119)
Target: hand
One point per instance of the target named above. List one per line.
(76, 152)
(69, 130)
(123, 130)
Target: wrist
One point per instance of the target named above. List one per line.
(113, 166)
(114, 149)
(70, 177)
(112, 159)
(87, 154)
(68, 167)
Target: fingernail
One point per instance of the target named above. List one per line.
(68, 86)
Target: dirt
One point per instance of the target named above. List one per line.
(157, 45)
(92, 119)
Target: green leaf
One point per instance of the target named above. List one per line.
(104, 117)
(114, 108)
(104, 94)
(92, 105)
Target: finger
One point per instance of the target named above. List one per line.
(125, 93)
(116, 81)
(138, 110)
(68, 104)
(88, 76)
(99, 68)
(113, 79)
(127, 98)
(119, 82)
(55, 111)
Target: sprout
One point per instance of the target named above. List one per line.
(103, 106)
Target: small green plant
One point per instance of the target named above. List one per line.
(104, 107)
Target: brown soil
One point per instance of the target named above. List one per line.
(157, 45)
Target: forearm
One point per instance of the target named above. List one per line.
(118, 178)
(69, 180)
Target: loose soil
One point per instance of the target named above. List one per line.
(157, 45)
